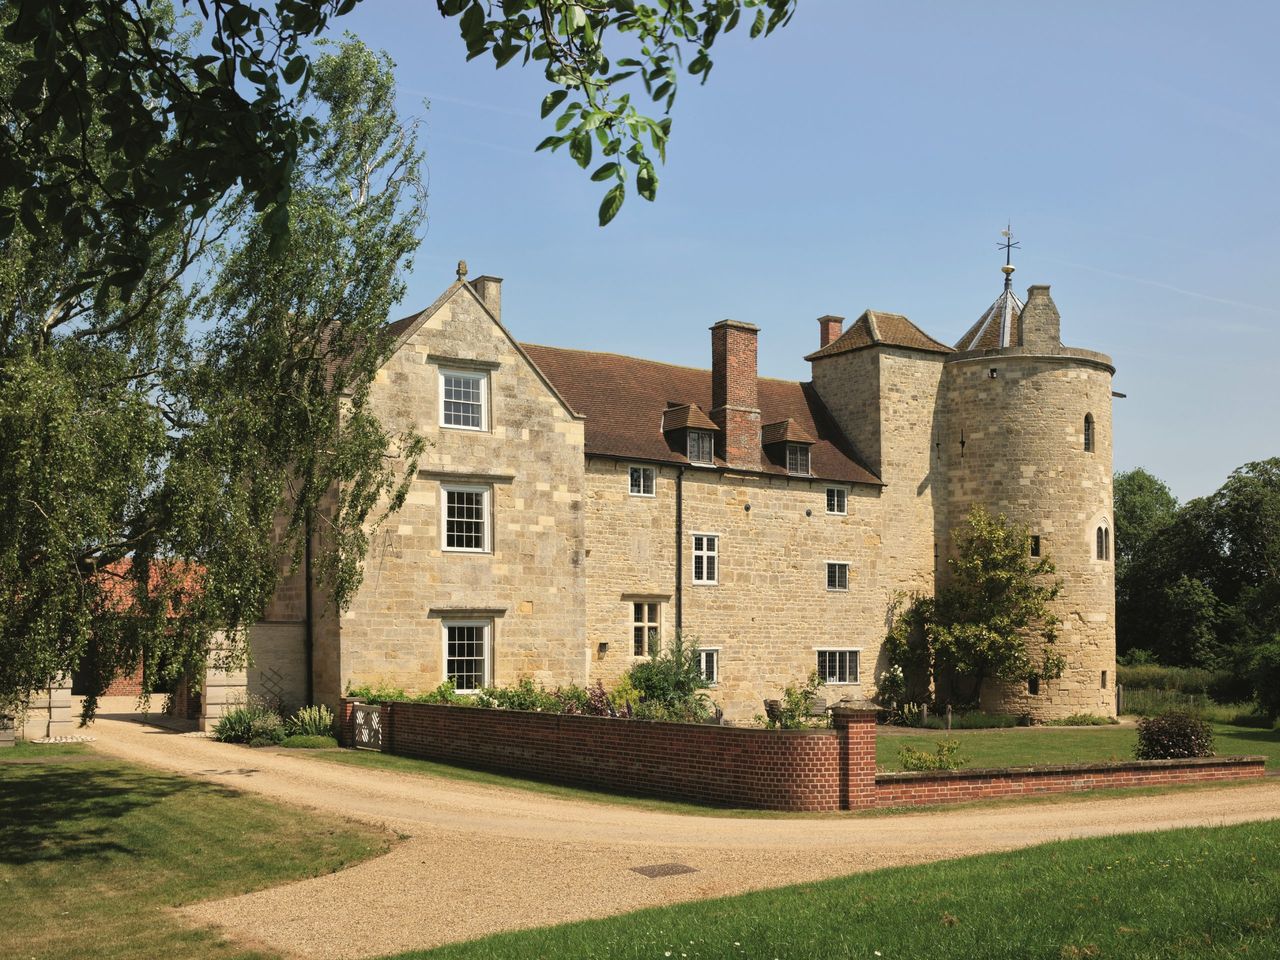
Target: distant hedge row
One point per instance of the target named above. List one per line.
(1150, 676)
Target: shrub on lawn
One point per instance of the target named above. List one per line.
(1174, 736)
(945, 757)
(307, 742)
(252, 722)
(314, 721)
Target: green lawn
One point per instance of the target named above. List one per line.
(1203, 893)
(92, 851)
(1027, 746)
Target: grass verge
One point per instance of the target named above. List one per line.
(1204, 893)
(1027, 746)
(93, 851)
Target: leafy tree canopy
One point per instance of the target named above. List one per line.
(991, 621)
(162, 455)
(1202, 586)
(117, 129)
(1144, 505)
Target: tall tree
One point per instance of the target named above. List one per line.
(992, 620)
(1144, 505)
(160, 455)
(185, 124)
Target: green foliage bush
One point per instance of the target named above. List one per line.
(1082, 720)
(379, 693)
(525, 695)
(1152, 676)
(945, 757)
(1174, 736)
(305, 742)
(253, 722)
(316, 721)
(796, 707)
(670, 685)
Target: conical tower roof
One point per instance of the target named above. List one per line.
(999, 327)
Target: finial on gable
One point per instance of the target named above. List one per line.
(462, 269)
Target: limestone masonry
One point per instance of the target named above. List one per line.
(575, 509)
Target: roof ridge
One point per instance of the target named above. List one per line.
(661, 363)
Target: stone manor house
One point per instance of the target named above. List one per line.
(573, 507)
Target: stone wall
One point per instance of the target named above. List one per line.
(529, 586)
(770, 610)
(1023, 456)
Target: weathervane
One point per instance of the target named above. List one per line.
(1008, 246)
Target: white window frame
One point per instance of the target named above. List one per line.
(486, 670)
(650, 472)
(798, 449)
(704, 553)
(843, 496)
(646, 625)
(480, 375)
(857, 665)
(838, 564)
(711, 445)
(487, 506)
(714, 679)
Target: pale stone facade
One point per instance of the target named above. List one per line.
(572, 538)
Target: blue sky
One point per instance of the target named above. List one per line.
(868, 156)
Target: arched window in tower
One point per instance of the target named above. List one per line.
(1103, 538)
(1088, 433)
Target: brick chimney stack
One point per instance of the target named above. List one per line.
(735, 403)
(831, 327)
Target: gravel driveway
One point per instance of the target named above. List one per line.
(478, 859)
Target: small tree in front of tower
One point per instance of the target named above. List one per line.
(990, 622)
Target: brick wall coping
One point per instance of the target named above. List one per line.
(652, 724)
(1106, 766)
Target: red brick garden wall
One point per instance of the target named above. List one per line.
(957, 786)
(731, 766)
(799, 770)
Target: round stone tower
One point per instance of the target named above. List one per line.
(1027, 434)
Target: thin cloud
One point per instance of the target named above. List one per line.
(1166, 286)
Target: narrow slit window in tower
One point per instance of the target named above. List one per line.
(1088, 433)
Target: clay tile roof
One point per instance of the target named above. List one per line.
(876, 328)
(624, 400)
(784, 431)
(999, 326)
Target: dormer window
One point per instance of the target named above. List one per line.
(701, 447)
(798, 459)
